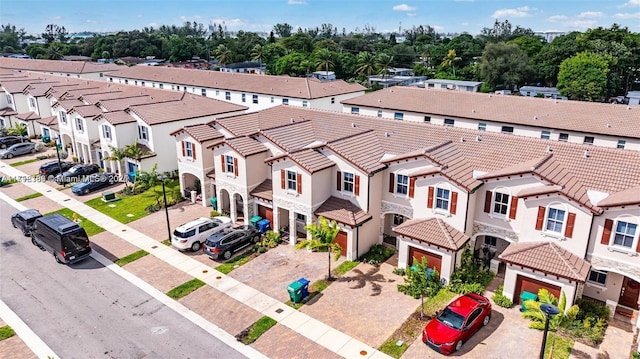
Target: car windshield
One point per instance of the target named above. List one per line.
(451, 319)
(186, 234)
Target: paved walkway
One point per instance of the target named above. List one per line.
(311, 328)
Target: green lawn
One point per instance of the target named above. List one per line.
(131, 208)
(561, 347)
(90, 227)
(131, 257)
(16, 164)
(6, 332)
(256, 329)
(29, 196)
(185, 289)
(226, 268)
(345, 267)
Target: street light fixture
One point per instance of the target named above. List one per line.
(166, 210)
(550, 311)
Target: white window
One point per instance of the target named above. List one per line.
(203, 92)
(507, 129)
(285, 101)
(188, 149)
(348, 182)
(449, 122)
(161, 86)
(272, 99)
(79, 125)
(9, 100)
(555, 220)
(564, 137)
(227, 95)
(217, 93)
(355, 110)
(255, 99)
(244, 98)
(63, 117)
(398, 116)
(32, 103)
(598, 276)
(305, 103)
(402, 184)
(625, 234)
(482, 126)
(292, 181)
(545, 135)
(143, 133)
(442, 198)
(621, 144)
(500, 203)
(588, 140)
(106, 131)
(229, 167)
(379, 113)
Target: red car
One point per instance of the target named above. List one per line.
(457, 323)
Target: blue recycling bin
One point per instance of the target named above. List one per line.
(305, 287)
(264, 225)
(214, 203)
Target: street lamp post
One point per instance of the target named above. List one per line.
(58, 154)
(166, 210)
(549, 310)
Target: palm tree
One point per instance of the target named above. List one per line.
(18, 129)
(366, 63)
(324, 60)
(116, 155)
(257, 53)
(135, 152)
(222, 54)
(384, 63)
(450, 60)
(322, 236)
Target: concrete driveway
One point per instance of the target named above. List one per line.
(506, 336)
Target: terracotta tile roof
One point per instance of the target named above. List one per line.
(76, 67)
(17, 86)
(363, 150)
(433, 231)
(40, 89)
(48, 121)
(7, 111)
(116, 117)
(121, 104)
(538, 190)
(190, 106)
(264, 190)
(245, 146)
(200, 132)
(342, 211)
(27, 116)
(547, 257)
(68, 105)
(86, 111)
(599, 118)
(285, 86)
(629, 196)
(311, 160)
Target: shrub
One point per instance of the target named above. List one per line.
(471, 276)
(635, 355)
(40, 146)
(500, 299)
(399, 271)
(39, 158)
(215, 213)
(377, 254)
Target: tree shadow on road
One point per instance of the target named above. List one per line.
(360, 279)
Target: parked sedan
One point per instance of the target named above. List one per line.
(18, 149)
(53, 168)
(76, 173)
(7, 141)
(223, 244)
(24, 220)
(94, 182)
(457, 323)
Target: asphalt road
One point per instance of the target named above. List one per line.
(87, 311)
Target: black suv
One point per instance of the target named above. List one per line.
(77, 173)
(53, 168)
(8, 141)
(24, 220)
(223, 244)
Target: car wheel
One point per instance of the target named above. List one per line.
(25, 232)
(13, 224)
(486, 320)
(226, 254)
(3, 146)
(459, 345)
(33, 241)
(256, 238)
(9, 155)
(85, 191)
(195, 246)
(55, 255)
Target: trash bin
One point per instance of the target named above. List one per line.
(264, 225)
(524, 296)
(295, 292)
(214, 203)
(254, 220)
(46, 138)
(305, 287)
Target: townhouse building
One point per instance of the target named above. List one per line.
(257, 92)
(598, 124)
(537, 211)
(75, 69)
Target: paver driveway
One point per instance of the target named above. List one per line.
(364, 303)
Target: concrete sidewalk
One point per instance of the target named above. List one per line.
(318, 332)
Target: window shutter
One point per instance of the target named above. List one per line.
(183, 149)
(222, 163)
(571, 220)
(299, 183)
(606, 232)
(487, 201)
(392, 177)
(283, 179)
(235, 166)
(339, 181)
(454, 203)
(540, 219)
(638, 247)
(514, 207)
(193, 150)
(356, 189)
(412, 187)
(430, 197)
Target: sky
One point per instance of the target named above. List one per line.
(448, 16)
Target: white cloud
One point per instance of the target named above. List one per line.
(91, 22)
(411, 14)
(581, 24)
(139, 16)
(297, 2)
(556, 18)
(403, 7)
(627, 15)
(58, 17)
(239, 24)
(523, 11)
(632, 3)
(590, 15)
(464, 23)
(190, 18)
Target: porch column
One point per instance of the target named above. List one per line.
(232, 208)
(293, 233)
(245, 210)
(309, 221)
(276, 218)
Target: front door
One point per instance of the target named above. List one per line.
(629, 293)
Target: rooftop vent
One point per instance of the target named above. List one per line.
(535, 118)
(478, 138)
(461, 139)
(473, 110)
(585, 154)
(387, 134)
(353, 124)
(549, 149)
(608, 125)
(293, 120)
(379, 100)
(628, 107)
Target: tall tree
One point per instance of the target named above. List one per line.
(282, 30)
(366, 63)
(450, 60)
(54, 32)
(584, 76)
(420, 282)
(324, 60)
(257, 53)
(384, 63)
(322, 235)
(222, 54)
(504, 64)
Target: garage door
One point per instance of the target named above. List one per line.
(526, 284)
(433, 260)
(266, 212)
(341, 239)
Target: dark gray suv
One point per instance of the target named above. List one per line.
(223, 244)
(24, 220)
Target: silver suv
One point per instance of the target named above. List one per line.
(18, 149)
(192, 234)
